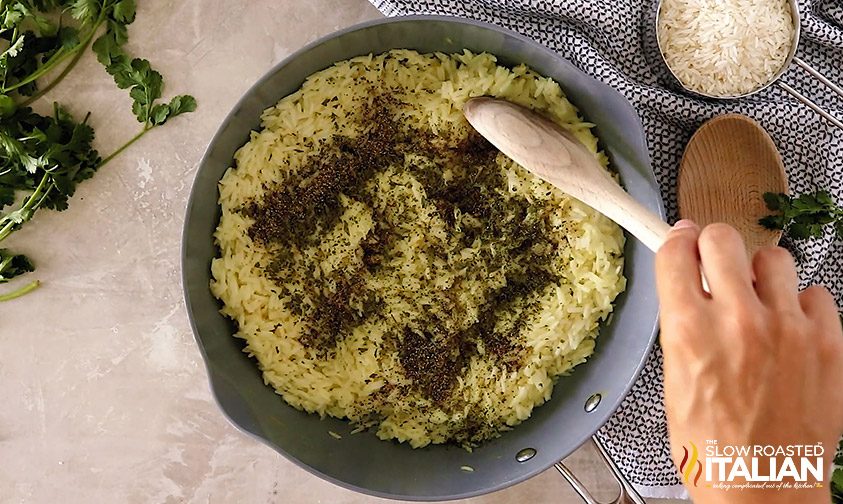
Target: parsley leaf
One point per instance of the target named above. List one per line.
(7, 195)
(804, 216)
(12, 265)
(124, 11)
(44, 157)
(178, 105)
(144, 83)
(85, 10)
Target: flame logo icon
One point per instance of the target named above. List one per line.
(689, 462)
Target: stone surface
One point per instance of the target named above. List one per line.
(105, 397)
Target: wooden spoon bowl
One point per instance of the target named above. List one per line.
(728, 165)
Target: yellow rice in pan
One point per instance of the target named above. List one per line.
(435, 273)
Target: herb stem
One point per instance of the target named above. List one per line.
(125, 146)
(26, 289)
(41, 92)
(20, 216)
(54, 60)
(60, 56)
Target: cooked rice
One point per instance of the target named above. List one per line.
(725, 47)
(362, 378)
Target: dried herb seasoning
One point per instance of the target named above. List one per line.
(287, 218)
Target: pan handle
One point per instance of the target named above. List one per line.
(810, 104)
(628, 495)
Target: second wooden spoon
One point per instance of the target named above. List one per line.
(728, 165)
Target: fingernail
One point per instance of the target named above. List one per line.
(685, 223)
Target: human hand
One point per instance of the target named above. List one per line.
(752, 363)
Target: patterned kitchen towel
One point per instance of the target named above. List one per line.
(613, 41)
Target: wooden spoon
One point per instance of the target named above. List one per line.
(728, 165)
(557, 157)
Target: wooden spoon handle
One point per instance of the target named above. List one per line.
(631, 215)
(557, 157)
(600, 191)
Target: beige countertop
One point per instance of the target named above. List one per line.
(104, 394)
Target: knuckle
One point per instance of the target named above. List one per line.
(816, 296)
(673, 246)
(773, 255)
(680, 329)
(790, 323)
(792, 327)
(749, 323)
(718, 233)
(830, 347)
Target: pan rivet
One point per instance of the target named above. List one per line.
(592, 402)
(525, 455)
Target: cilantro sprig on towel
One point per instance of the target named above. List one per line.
(804, 216)
(43, 158)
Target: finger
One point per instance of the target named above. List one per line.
(776, 282)
(678, 268)
(818, 304)
(827, 337)
(725, 264)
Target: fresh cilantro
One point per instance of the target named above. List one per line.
(85, 9)
(804, 216)
(43, 158)
(12, 265)
(135, 74)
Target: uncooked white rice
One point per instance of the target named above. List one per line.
(361, 378)
(725, 47)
